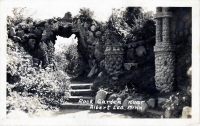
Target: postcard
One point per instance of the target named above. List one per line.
(99, 62)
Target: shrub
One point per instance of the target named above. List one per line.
(177, 101)
(41, 88)
(68, 60)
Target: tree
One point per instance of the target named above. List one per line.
(22, 14)
(86, 14)
(130, 14)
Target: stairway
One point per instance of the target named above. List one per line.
(81, 96)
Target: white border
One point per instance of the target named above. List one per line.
(100, 3)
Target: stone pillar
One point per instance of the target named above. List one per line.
(164, 52)
(114, 59)
(165, 25)
(159, 26)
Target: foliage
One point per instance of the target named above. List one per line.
(177, 101)
(141, 24)
(117, 24)
(130, 14)
(29, 104)
(85, 15)
(68, 59)
(47, 87)
(21, 14)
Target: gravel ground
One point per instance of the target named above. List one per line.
(67, 117)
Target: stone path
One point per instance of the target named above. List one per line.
(81, 96)
(68, 117)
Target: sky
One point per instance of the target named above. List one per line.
(102, 8)
(45, 10)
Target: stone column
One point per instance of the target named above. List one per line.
(164, 52)
(165, 25)
(114, 59)
(159, 27)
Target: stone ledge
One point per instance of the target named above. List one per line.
(164, 48)
(163, 15)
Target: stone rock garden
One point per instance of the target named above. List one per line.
(136, 61)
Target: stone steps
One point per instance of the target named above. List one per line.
(77, 98)
(81, 96)
(82, 92)
(81, 86)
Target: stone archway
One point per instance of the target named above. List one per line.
(39, 38)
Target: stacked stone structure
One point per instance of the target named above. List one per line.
(114, 59)
(164, 52)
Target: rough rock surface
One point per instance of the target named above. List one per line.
(101, 95)
(187, 112)
(151, 102)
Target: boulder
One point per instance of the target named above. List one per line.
(126, 100)
(129, 98)
(144, 107)
(17, 39)
(118, 102)
(23, 25)
(113, 97)
(90, 38)
(186, 112)
(151, 102)
(122, 96)
(32, 36)
(44, 36)
(93, 28)
(55, 26)
(168, 113)
(86, 26)
(31, 43)
(38, 32)
(25, 38)
(140, 51)
(40, 23)
(125, 103)
(31, 28)
(101, 95)
(47, 27)
(20, 33)
(98, 34)
(12, 32)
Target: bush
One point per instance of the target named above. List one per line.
(68, 60)
(177, 101)
(36, 87)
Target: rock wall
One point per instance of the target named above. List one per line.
(90, 45)
(38, 38)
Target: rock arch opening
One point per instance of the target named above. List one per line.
(66, 55)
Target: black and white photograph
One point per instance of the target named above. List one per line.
(99, 62)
